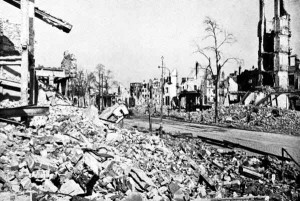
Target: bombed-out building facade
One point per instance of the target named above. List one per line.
(274, 51)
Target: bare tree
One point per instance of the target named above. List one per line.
(104, 81)
(80, 86)
(90, 84)
(219, 38)
(100, 69)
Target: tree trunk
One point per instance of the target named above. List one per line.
(216, 100)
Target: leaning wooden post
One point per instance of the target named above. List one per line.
(32, 99)
(25, 61)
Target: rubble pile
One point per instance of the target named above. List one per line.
(71, 155)
(249, 117)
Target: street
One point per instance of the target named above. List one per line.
(267, 142)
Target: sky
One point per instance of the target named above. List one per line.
(130, 36)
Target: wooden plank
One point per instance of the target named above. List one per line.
(10, 58)
(31, 53)
(9, 82)
(25, 111)
(25, 61)
(11, 122)
(49, 73)
(12, 63)
(46, 17)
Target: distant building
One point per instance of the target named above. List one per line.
(156, 91)
(123, 94)
(191, 89)
(170, 92)
(135, 93)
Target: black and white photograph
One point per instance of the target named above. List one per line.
(149, 100)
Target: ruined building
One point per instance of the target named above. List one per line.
(10, 55)
(274, 44)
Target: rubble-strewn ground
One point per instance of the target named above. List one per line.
(71, 155)
(243, 117)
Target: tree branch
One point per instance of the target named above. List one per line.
(228, 59)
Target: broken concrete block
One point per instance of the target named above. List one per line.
(49, 186)
(91, 113)
(250, 173)
(40, 174)
(35, 162)
(134, 197)
(218, 164)
(91, 162)
(75, 155)
(207, 181)
(142, 176)
(71, 187)
(115, 113)
(137, 183)
(179, 196)
(113, 137)
(173, 187)
(25, 183)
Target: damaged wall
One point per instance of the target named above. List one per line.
(10, 45)
(276, 42)
(10, 38)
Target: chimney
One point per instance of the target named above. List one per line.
(197, 64)
(240, 68)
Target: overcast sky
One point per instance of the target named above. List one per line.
(130, 36)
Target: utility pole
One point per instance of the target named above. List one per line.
(150, 105)
(102, 101)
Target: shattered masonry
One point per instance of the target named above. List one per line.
(71, 155)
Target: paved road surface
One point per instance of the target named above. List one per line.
(268, 142)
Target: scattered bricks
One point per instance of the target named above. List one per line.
(71, 187)
(250, 173)
(49, 186)
(140, 162)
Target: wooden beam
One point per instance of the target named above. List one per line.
(31, 53)
(46, 17)
(10, 58)
(11, 63)
(24, 42)
(25, 111)
(48, 73)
